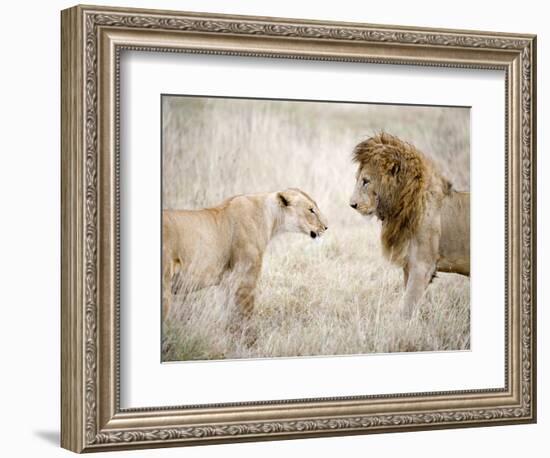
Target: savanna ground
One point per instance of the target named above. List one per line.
(334, 297)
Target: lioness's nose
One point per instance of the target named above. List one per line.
(354, 205)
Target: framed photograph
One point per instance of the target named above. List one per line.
(277, 228)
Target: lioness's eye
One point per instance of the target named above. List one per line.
(312, 210)
(365, 181)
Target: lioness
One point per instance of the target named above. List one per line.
(202, 245)
(425, 222)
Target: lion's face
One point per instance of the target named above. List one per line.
(301, 214)
(364, 198)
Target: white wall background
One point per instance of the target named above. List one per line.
(29, 228)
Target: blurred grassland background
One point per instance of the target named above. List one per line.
(331, 298)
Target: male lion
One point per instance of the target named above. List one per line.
(425, 222)
(203, 245)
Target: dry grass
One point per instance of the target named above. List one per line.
(335, 297)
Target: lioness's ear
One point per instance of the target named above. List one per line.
(283, 201)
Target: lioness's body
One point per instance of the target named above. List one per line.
(202, 245)
(425, 222)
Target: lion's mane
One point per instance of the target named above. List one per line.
(406, 184)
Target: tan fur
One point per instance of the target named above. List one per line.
(425, 222)
(201, 246)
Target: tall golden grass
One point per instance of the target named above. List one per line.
(330, 298)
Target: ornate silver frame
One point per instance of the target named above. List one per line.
(92, 39)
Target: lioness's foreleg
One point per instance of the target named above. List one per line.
(168, 273)
(244, 296)
(166, 288)
(244, 299)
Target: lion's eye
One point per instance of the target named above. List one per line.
(365, 181)
(312, 210)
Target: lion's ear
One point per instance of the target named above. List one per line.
(395, 168)
(283, 200)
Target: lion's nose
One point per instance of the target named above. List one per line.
(353, 205)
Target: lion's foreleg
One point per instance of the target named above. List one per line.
(417, 280)
(419, 270)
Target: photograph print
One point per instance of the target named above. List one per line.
(294, 228)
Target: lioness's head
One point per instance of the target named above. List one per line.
(300, 213)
